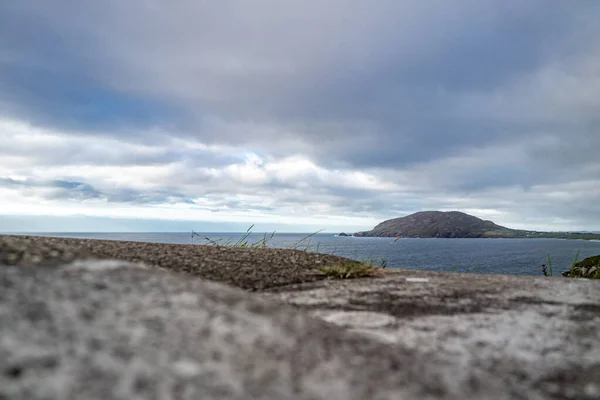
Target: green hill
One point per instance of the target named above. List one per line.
(455, 224)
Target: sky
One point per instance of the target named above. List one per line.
(145, 115)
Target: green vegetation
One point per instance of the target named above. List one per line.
(544, 271)
(349, 270)
(548, 270)
(588, 268)
(345, 270)
(454, 224)
(575, 260)
(554, 235)
(305, 243)
(380, 263)
(242, 242)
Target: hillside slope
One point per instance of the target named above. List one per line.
(431, 224)
(455, 224)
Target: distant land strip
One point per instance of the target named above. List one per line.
(456, 224)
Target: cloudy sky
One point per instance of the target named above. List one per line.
(297, 115)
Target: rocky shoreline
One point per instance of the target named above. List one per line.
(587, 268)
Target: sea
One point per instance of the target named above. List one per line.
(480, 256)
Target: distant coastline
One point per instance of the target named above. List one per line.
(455, 224)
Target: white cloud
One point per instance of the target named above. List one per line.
(301, 111)
(293, 188)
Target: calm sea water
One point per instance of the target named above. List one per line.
(491, 256)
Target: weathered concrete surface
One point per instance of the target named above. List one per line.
(543, 333)
(250, 269)
(115, 330)
(111, 330)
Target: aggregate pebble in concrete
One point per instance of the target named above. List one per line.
(99, 330)
(544, 331)
(250, 269)
(117, 330)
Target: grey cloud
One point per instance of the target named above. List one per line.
(71, 190)
(74, 151)
(76, 189)
(63, 189)
(145, 197)
(395, 88)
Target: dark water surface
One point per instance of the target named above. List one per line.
(491, 256)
